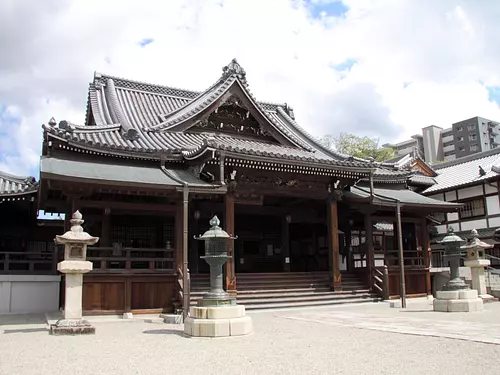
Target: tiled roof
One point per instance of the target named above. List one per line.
(141, 119)
(466, 171)
(419, 179)
(388, 197)
(16, 186)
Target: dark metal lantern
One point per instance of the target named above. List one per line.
(453, 253)
(216, 255)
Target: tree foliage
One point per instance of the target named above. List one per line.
(361, 147)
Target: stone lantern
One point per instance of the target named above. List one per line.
(456, 296)
(74, 265)
(217, 314)
(476, 260)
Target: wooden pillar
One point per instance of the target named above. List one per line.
(229, 228)
(370, 262)
(178, 235)
(105, 240)
(348, 244)
(285, 243)
(425, 244)
(333, 244)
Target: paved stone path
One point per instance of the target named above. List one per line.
(469, 331)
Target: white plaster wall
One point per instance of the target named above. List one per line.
(494, 222)
(490, 189)
(450, 196)
(441, 228)
(22, 294)
(453, 216)
(492, 205)
(470, 192)
(473, 224)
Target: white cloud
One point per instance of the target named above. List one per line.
(442, 50)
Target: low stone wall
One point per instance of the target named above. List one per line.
(24, 294)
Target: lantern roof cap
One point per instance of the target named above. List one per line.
(215, 231)
(76, 234)
(451, 237)
(475, 242)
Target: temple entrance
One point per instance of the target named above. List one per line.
(308, 247)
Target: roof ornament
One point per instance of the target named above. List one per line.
(482, 172)
(66, 125)
(289, 111)
(52, 122)
(234, 68)
(131, 134)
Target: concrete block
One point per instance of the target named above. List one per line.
(188, 326)
(447, 294)
(465, 305)
(206, 327)
(198, 312)
(440, 305)
(241, 326)
(172, 318)
(225, 312)
(128, 315)
(468, 294)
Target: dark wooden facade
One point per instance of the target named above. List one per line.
(153, 164)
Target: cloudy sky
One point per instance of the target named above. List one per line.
(382, 68)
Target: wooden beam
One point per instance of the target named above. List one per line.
(369, 247)
(333, 244)
(127, 206)
(285, 244)
(178, 235)
(229, 227)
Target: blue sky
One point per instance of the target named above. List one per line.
(319, 8)
(364, 66)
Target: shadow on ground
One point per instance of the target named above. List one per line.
(25, 330)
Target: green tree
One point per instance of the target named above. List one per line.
(361, 147)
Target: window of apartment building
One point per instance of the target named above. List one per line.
(448, 153)
(446, 144)
(472, 137)
(471, 127)
(472, 208)
(460, 139)
(460, 128)
(461, 148)
(473, 147)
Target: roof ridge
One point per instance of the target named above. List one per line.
(17, 178)
(98, 76)
(466, 159)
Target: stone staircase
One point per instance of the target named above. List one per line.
(259, 291)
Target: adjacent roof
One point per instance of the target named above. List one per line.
(389, 198)
(466, 171)
(103, 173)
(16, 187)
(127, 117)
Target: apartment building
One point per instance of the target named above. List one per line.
(463, 138)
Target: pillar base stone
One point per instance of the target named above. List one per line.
(218, 322)
(71, 327)
(458, 301)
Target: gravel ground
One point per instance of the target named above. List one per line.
(278, 346)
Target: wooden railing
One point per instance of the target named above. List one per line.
(412, 258)
(380, 281)
(16, 262)
(131, 260)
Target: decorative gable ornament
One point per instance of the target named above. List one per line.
(234, 68)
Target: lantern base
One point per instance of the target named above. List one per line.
(466, 300)
(218, 322)
(208, 301)
(72, 327)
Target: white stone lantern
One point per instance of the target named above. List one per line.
(74, 265)
(476, 260)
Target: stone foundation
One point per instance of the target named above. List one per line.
(72, 327)
(458, 301)
(218, 322)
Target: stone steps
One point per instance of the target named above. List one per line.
(288, 290)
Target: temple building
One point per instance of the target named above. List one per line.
(152, 164)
